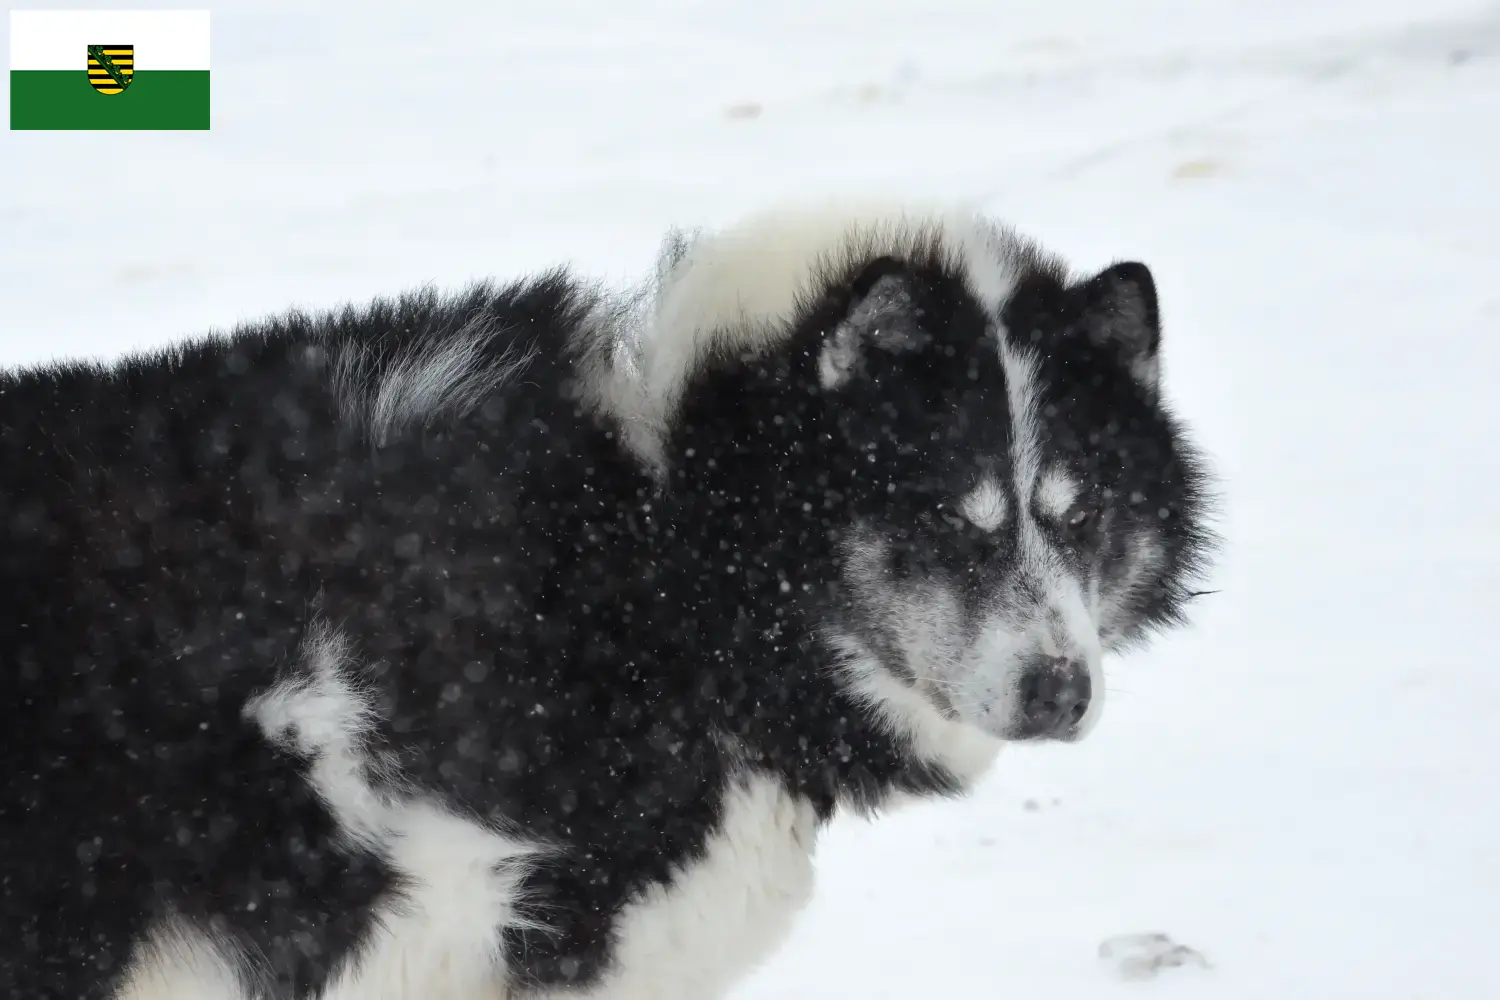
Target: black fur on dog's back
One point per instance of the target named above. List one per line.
(170, 526)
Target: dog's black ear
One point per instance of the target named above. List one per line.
(882, 312)
(1120, 314)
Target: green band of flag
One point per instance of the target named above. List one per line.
(63, 99)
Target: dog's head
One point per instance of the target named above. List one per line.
(933, 443)
(1021, 501)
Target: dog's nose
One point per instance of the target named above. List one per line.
(1054, 697)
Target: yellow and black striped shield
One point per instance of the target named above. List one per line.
(111, 67)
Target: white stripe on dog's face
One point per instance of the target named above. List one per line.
(1067, 629)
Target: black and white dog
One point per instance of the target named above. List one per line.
(519, 643)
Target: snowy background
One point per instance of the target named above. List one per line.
(1303, 787)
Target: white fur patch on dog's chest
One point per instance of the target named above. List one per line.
(725, 912)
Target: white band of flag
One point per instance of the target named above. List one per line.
(58, 39)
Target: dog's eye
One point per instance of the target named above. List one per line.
(1079, 517)
(954, 522)
(944, 518)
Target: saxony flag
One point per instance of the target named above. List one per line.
(109, 69)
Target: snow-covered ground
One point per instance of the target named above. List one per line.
(1303, 787)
